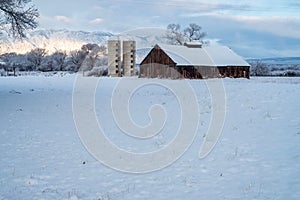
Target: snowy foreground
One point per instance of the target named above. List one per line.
(257, 156)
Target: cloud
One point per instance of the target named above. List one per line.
(251, 36)
(238, 24)
(98, 8)
(62, 18)
(281, 26)
(212, 7)
(286, 26)
(96, 21)
(186, 4)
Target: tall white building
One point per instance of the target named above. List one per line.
(114, 58)
(129, 50)
(118, 67)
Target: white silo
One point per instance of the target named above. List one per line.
(114, 57)
(129, 51)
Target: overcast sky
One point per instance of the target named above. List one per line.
(254, 28)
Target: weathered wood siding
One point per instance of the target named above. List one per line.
(235, 71)
(158, 64)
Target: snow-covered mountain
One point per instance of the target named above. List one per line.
(67, 40)
(52, 40)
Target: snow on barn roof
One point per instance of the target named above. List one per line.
(205, 56)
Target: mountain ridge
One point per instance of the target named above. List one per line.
(276, 60)
(51, 40)
(67, 40)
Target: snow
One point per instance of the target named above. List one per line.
(224, 56)
(183, 55)
(213, 56)
(257, 156)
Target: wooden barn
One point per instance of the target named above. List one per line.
(193, 62)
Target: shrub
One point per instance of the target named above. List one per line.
(97, 71)
(259, 69)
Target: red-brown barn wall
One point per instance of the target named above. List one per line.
(158, 64)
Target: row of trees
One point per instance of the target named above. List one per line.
(262, 69)
(85, 59)
(259, 69)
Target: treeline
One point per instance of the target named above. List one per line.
(262, 69)
(91, 59)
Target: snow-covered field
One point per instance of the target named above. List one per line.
(257, 156)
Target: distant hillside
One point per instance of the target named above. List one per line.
(52, 40)
(285, 61)
(66, 40)
(286, 66)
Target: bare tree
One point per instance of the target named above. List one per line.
(59, 58)
(193, 33)
(259, 69)
(17, 17)
(92, 57)
(36, 56)
(9, 63)
(176, 36)
(90, 62)
(102, 49)
(77, 57)
(103, 61)
(47, 64)
(90, 47)
(95, 62)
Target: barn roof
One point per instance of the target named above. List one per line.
(206, 56)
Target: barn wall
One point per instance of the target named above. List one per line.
(157, 55)
(158, 64)
(235, 71)
(155, 70)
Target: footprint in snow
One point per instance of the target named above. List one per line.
(14, 92)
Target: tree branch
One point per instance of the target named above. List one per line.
(17, 18)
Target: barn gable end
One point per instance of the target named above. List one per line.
(157, 64)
